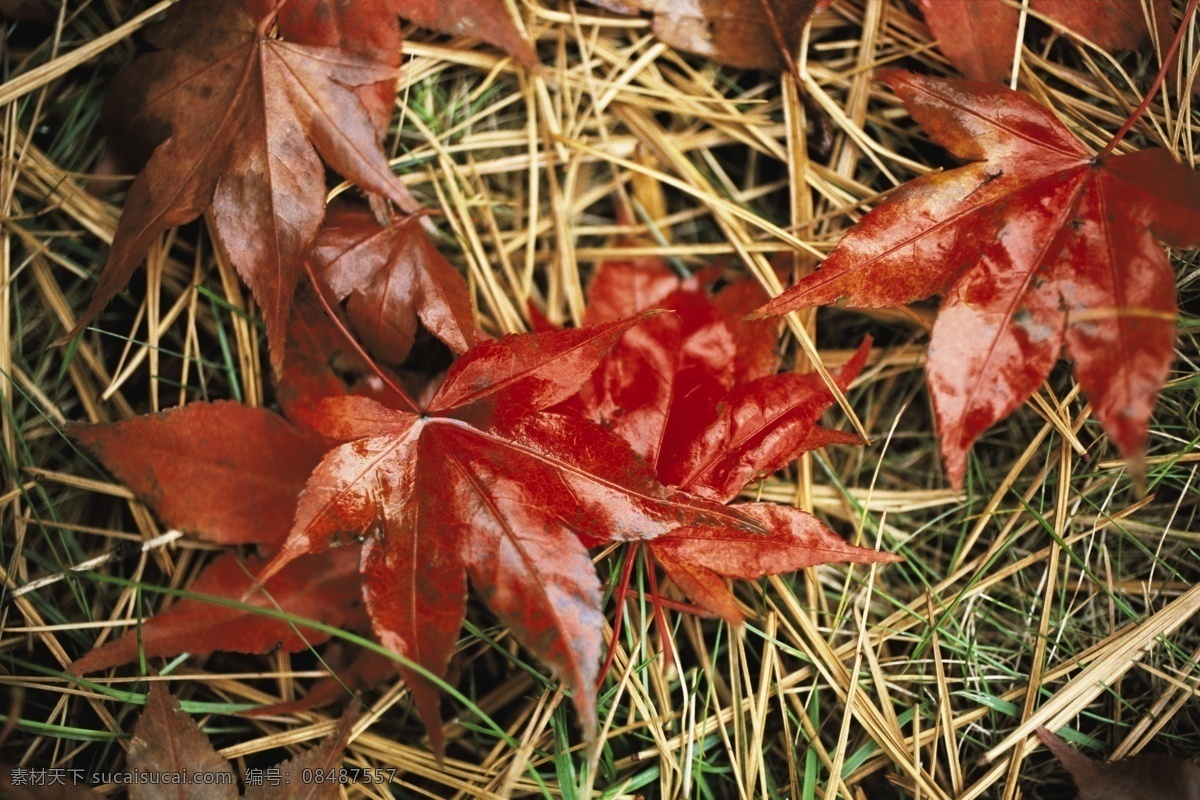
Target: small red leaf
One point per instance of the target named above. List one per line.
(392, 277)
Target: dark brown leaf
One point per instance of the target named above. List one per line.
(166, 741)
(734, 32)
(242, 120)
(1147, 776)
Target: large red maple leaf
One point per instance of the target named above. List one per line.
(696, 394)
(1036, 244)
(241, 120)
(485, 483)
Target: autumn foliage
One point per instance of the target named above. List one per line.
(1036, 245)
(362, 505)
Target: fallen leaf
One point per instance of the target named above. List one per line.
(167, 743)
(734, 32)
(488, 20)
(484, 483)
(980, 36)
(695, 393)
(392, 277)
(318, 588)
(1147, 776)
(1035, 244)
(239, 118)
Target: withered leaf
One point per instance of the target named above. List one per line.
(242, 120)
(739, 33)
(1146, 776)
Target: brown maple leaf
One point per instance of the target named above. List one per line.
(1147, 776)
(739, 33)
(168, 744)
(1035, 245)
(980, 36)
(242, 120)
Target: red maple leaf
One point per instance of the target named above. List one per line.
(241, 120)
(392, 277)
(1036, 244)
(485, 483)
(696, 394)
(980, 36)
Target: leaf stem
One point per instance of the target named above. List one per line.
(358, 348)
(1154, 87)
(660, 617)
(822, 131)
(619, 613)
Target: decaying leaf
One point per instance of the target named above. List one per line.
(1034, 245)
(168, 743)
(1147, 776)
(734, 32)
(980, 36)
(241, 120)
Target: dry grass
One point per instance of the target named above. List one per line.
(1049, 592)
